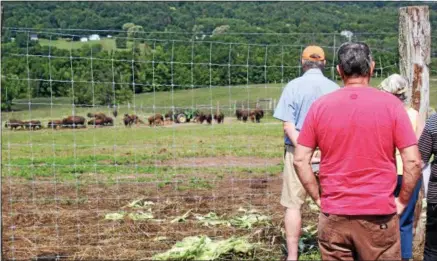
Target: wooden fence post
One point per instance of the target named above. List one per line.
(415, 57)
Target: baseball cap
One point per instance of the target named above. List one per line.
(395, 84)
(313, 53)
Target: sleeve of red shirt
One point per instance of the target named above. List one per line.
(307, 135)
(404, 135)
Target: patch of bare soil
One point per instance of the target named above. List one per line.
(67, 219)
(225, 161)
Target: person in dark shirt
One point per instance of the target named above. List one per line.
(428, 148)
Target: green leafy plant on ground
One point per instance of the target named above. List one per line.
(203, 248)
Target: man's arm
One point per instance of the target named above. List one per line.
(302, 164)
(291, 132)
(411, 174)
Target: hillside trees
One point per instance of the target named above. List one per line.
(208, 51)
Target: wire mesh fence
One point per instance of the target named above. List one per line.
(71, 192)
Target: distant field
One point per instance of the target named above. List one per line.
(225, 97)
(107, 44)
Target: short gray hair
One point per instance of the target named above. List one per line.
(307, 64)
(355, 59)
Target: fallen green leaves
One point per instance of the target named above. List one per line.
(181, 218)
(247, 220)
(203, 248)
(115, 216)
(140, 204)
(140, 216)
(141, 210)
(136, 215)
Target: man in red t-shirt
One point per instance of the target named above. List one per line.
(357, 129)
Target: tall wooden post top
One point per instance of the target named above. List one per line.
(415, 54)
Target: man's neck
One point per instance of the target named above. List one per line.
(356, 82)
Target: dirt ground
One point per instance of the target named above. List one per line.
(46, 219)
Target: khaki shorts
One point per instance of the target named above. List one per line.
(293, 193)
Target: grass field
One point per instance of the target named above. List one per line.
(58, 185)
(224, 96)
(107, 44)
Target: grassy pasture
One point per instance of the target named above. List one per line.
(107, 44)
(224, 96)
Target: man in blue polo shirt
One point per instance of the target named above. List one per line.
(296, 99)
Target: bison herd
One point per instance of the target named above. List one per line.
(15, 124)
(254, 115)
(101, 120)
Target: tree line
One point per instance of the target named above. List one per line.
(208, 51)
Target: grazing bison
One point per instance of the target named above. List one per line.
(244, 115)
(127, 120)
(54, 124)
(14, 124)
(204, 117)
(136, 119)
(99, 115)
(239, 114)
(108, 121)
(131, 119)
(73, 122)
(96, 122)
(156, 119)
(32, 125)
(257, 115)
(219, 117)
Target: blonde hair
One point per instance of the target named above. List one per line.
(396, 85)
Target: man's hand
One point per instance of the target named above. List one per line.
(316, 157)
(400, 207)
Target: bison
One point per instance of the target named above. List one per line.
(244, 115)
(14, 124)
(127, 120)
(54, 124)
(204, 117)
(73, 122)
(108, 121)
(239, 114)
(219, 117)
(98, 115)
(156, 119)
(131, 119)
(257, 115)
(169, 115)
(32, 125)
(96, 122)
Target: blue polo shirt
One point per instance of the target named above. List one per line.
(298, 96)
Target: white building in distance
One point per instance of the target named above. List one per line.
(94, 37)
(84, 39)
(34, 37)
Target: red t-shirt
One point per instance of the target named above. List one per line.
(357, 130)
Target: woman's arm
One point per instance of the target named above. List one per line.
(420, 125)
